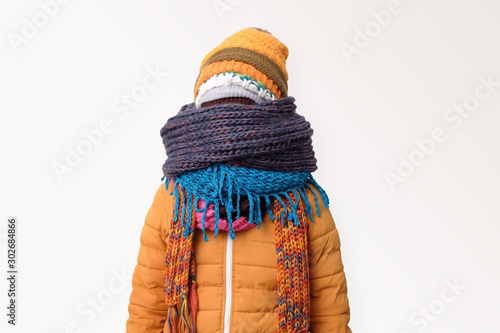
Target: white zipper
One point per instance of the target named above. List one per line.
(229, 263)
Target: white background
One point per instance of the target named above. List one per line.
(399, 244)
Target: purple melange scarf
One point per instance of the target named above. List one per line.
(267, 136)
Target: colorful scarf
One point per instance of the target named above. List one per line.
(200, 174)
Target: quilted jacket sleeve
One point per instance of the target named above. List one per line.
(330, 311)
(147, 308)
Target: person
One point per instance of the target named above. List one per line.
(240, 237)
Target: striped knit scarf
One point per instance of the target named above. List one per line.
(277, 190)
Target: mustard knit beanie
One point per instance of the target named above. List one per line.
(248, 65)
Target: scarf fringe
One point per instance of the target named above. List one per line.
(223, 178)
(220, 184)
(181, 317)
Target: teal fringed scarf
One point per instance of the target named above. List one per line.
(220, 183)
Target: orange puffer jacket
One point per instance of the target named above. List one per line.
(236, 279)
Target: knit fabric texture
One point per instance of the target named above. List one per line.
(239, 151)
(265, 136)
(281, 194)
(253, 89)
(249, 51)
(230, 91)
(225, 100)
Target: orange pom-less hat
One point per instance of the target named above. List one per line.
(251, 51)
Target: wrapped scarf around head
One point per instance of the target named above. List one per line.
(267, 136)
(273, 149)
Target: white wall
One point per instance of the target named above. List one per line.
(402, 244)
